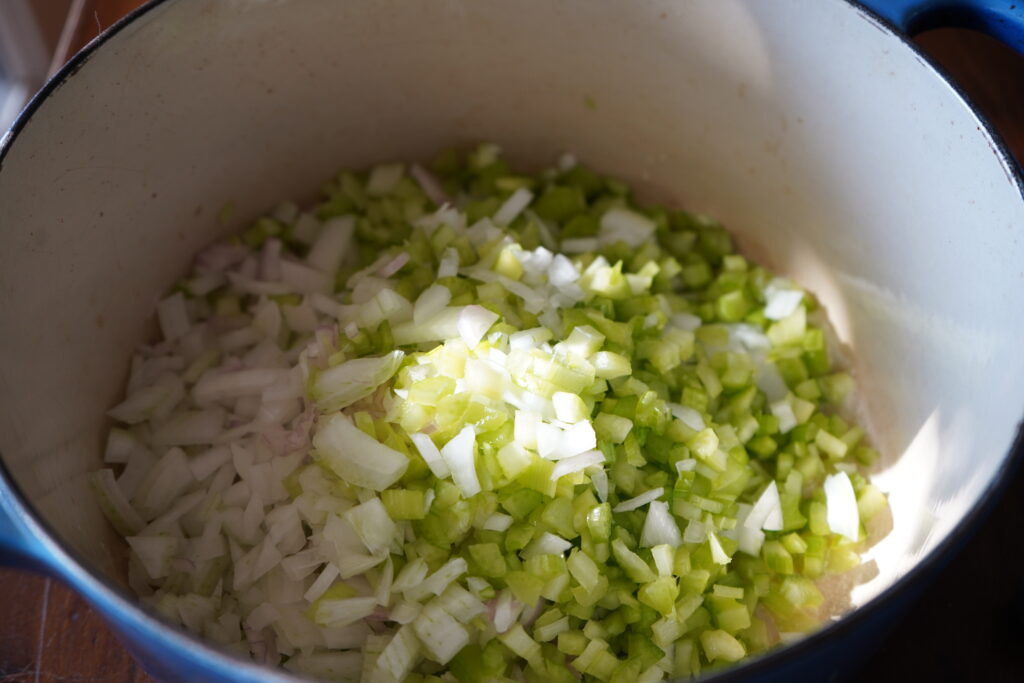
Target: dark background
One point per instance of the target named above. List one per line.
(968, 626)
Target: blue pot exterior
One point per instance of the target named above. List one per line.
(1001, 19)
(170, 654)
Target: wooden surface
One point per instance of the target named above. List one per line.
(968, 626)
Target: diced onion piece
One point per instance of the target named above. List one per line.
(438, 582)
(305, 280)
(526, 426)
(190, 428)
(441, 327)
(622, 225)
(440, 634)
(460, 455)
(767, 511)
(220, 386)
(322, 583)
(331, 245)
(150, 401)
(448, 266)
(562, 271)
(639, 501)
(374, 527)
(569, 407)
(431, 302)
(660, 527)
(781, 301)
(498, 522)
(114, 503)
(412, 574)
(513, 206)
(155, 553)
(473, 323)
(431, 455)
(578, 438)
(173, 317)
(120, 446)
(398, 657)
(841, 506)
(718, 554)
(663, 555)
(429, 184)
(576, 463)
(546, 544)
(344, 384)
(355, 456)
(337, 613)
(690, 417)
(784, 411)
(460, 603)
(394, 265)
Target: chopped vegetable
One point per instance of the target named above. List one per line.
(465, 424)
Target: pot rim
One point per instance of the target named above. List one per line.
(122, 607)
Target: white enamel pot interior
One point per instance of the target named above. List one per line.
(830, 147)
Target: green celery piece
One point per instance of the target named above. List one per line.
(660, 594)
(599, 522)
(404, 503)
(721, 645)
(728, 614)
(572, 643)
(489, 559)
(524, 586)
(776, 557)
(557, 515)
(519, 536)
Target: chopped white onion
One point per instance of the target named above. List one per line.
(622, 225)
(473, 323)
(781, 300)
(690, 417)
(460, 455)
(766, 513)
(513, 206)
(173, 317)
(660, 527)
(431, 302)
(431, 455)
(782, 410)
(546, 544)
(576, 463)
(498, 522)
(429, 184)
(841, 506)
(331, 245)
(639, 501)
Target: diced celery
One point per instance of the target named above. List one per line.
(404, 503)
(488, 558)
(571, 642)
(721, 645)
(776, 557)
(660, 594)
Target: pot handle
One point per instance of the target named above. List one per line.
(18, 548)
(1001, 19)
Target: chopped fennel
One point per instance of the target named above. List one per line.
(455, 421)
